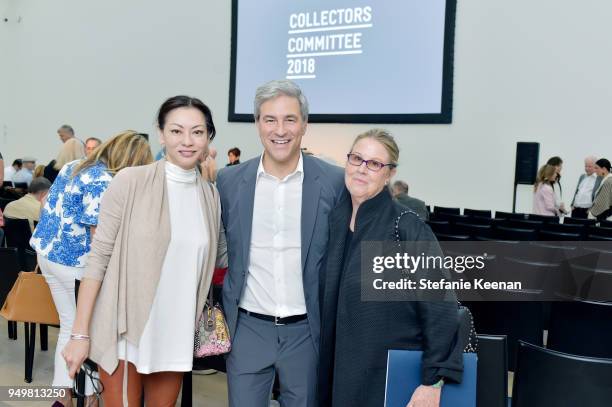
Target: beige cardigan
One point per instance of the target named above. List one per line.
(128, 252)
(603, 197)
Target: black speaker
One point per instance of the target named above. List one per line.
(526, 168)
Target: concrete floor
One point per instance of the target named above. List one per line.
(208, 391)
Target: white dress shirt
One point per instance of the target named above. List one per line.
(584, 196)
(23, 175)
(9, 173)
(274, 280)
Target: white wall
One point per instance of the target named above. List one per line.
(524, 71)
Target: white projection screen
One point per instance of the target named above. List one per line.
(373, 61)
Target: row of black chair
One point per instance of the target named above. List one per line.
(469, 229)
(440, 211)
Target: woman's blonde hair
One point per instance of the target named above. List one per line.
(545, 173)
(73, 149)
(383, 137)
(126, 149)
(39, 171)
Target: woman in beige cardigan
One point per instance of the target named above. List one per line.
(158, 241)
(602, 204)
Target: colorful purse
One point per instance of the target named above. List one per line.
(212, 334)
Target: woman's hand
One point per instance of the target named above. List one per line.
(75, 352)
(425, 396)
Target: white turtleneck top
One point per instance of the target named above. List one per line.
(167, 341)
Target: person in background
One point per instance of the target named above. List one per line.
(400, 193)
(356, 334)
(68, 220)
(26, 173)
(65, 133)
(1, 228)
(151, 264)
(544, 202)
(557, 163)
(1, 170)
(602, 205)
(90, 145)
(588, 183)
(208, 166)
(71, 150)
(39, 171)
(275, 212)
(10, 171)
(233, 156)
(28, 207)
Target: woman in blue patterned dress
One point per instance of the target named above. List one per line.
(67, 222)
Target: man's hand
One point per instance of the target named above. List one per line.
(425, 396)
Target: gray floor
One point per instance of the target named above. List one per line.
(209, 391)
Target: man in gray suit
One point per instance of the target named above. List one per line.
(400, 192)
(588, 183)
(275, 213)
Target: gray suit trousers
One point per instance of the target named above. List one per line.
(259, 350)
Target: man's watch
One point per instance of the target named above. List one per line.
(439, 384)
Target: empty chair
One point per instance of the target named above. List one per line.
(472, 230)
(492, 378)
(439, 226)
(509, 215)
(581, 328)
(485, 221)
(444, 209)
(446, 237)
(590, 278)
(9, 259)
(599, 231)
(548, 236)
(522, 224)
(477, 212)
(4, 202)
(541, 375)
(456, 218)
(518, 320)
(505, 233)
(564, 228)
(17, 233)
(606, 223)
(579, 221)
(599, 238)
(543, 218)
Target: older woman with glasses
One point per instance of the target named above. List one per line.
(356, 334)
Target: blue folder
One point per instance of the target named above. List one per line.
(404, 376)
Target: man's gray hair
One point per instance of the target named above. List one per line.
(401, 186)
(274, 89)
(67, 127)
(39, 184)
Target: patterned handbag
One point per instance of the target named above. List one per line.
(212, 334)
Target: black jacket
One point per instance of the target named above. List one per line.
(355, 335)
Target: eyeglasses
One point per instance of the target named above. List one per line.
(98, 388)
(372, 165)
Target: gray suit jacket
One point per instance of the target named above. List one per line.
(322, 189)
(597, 183)
(414, 204)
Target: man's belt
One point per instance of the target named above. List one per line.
(277, 320)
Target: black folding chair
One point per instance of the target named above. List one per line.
(541, 374)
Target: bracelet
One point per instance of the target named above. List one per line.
(438, 385)
(79, 337)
